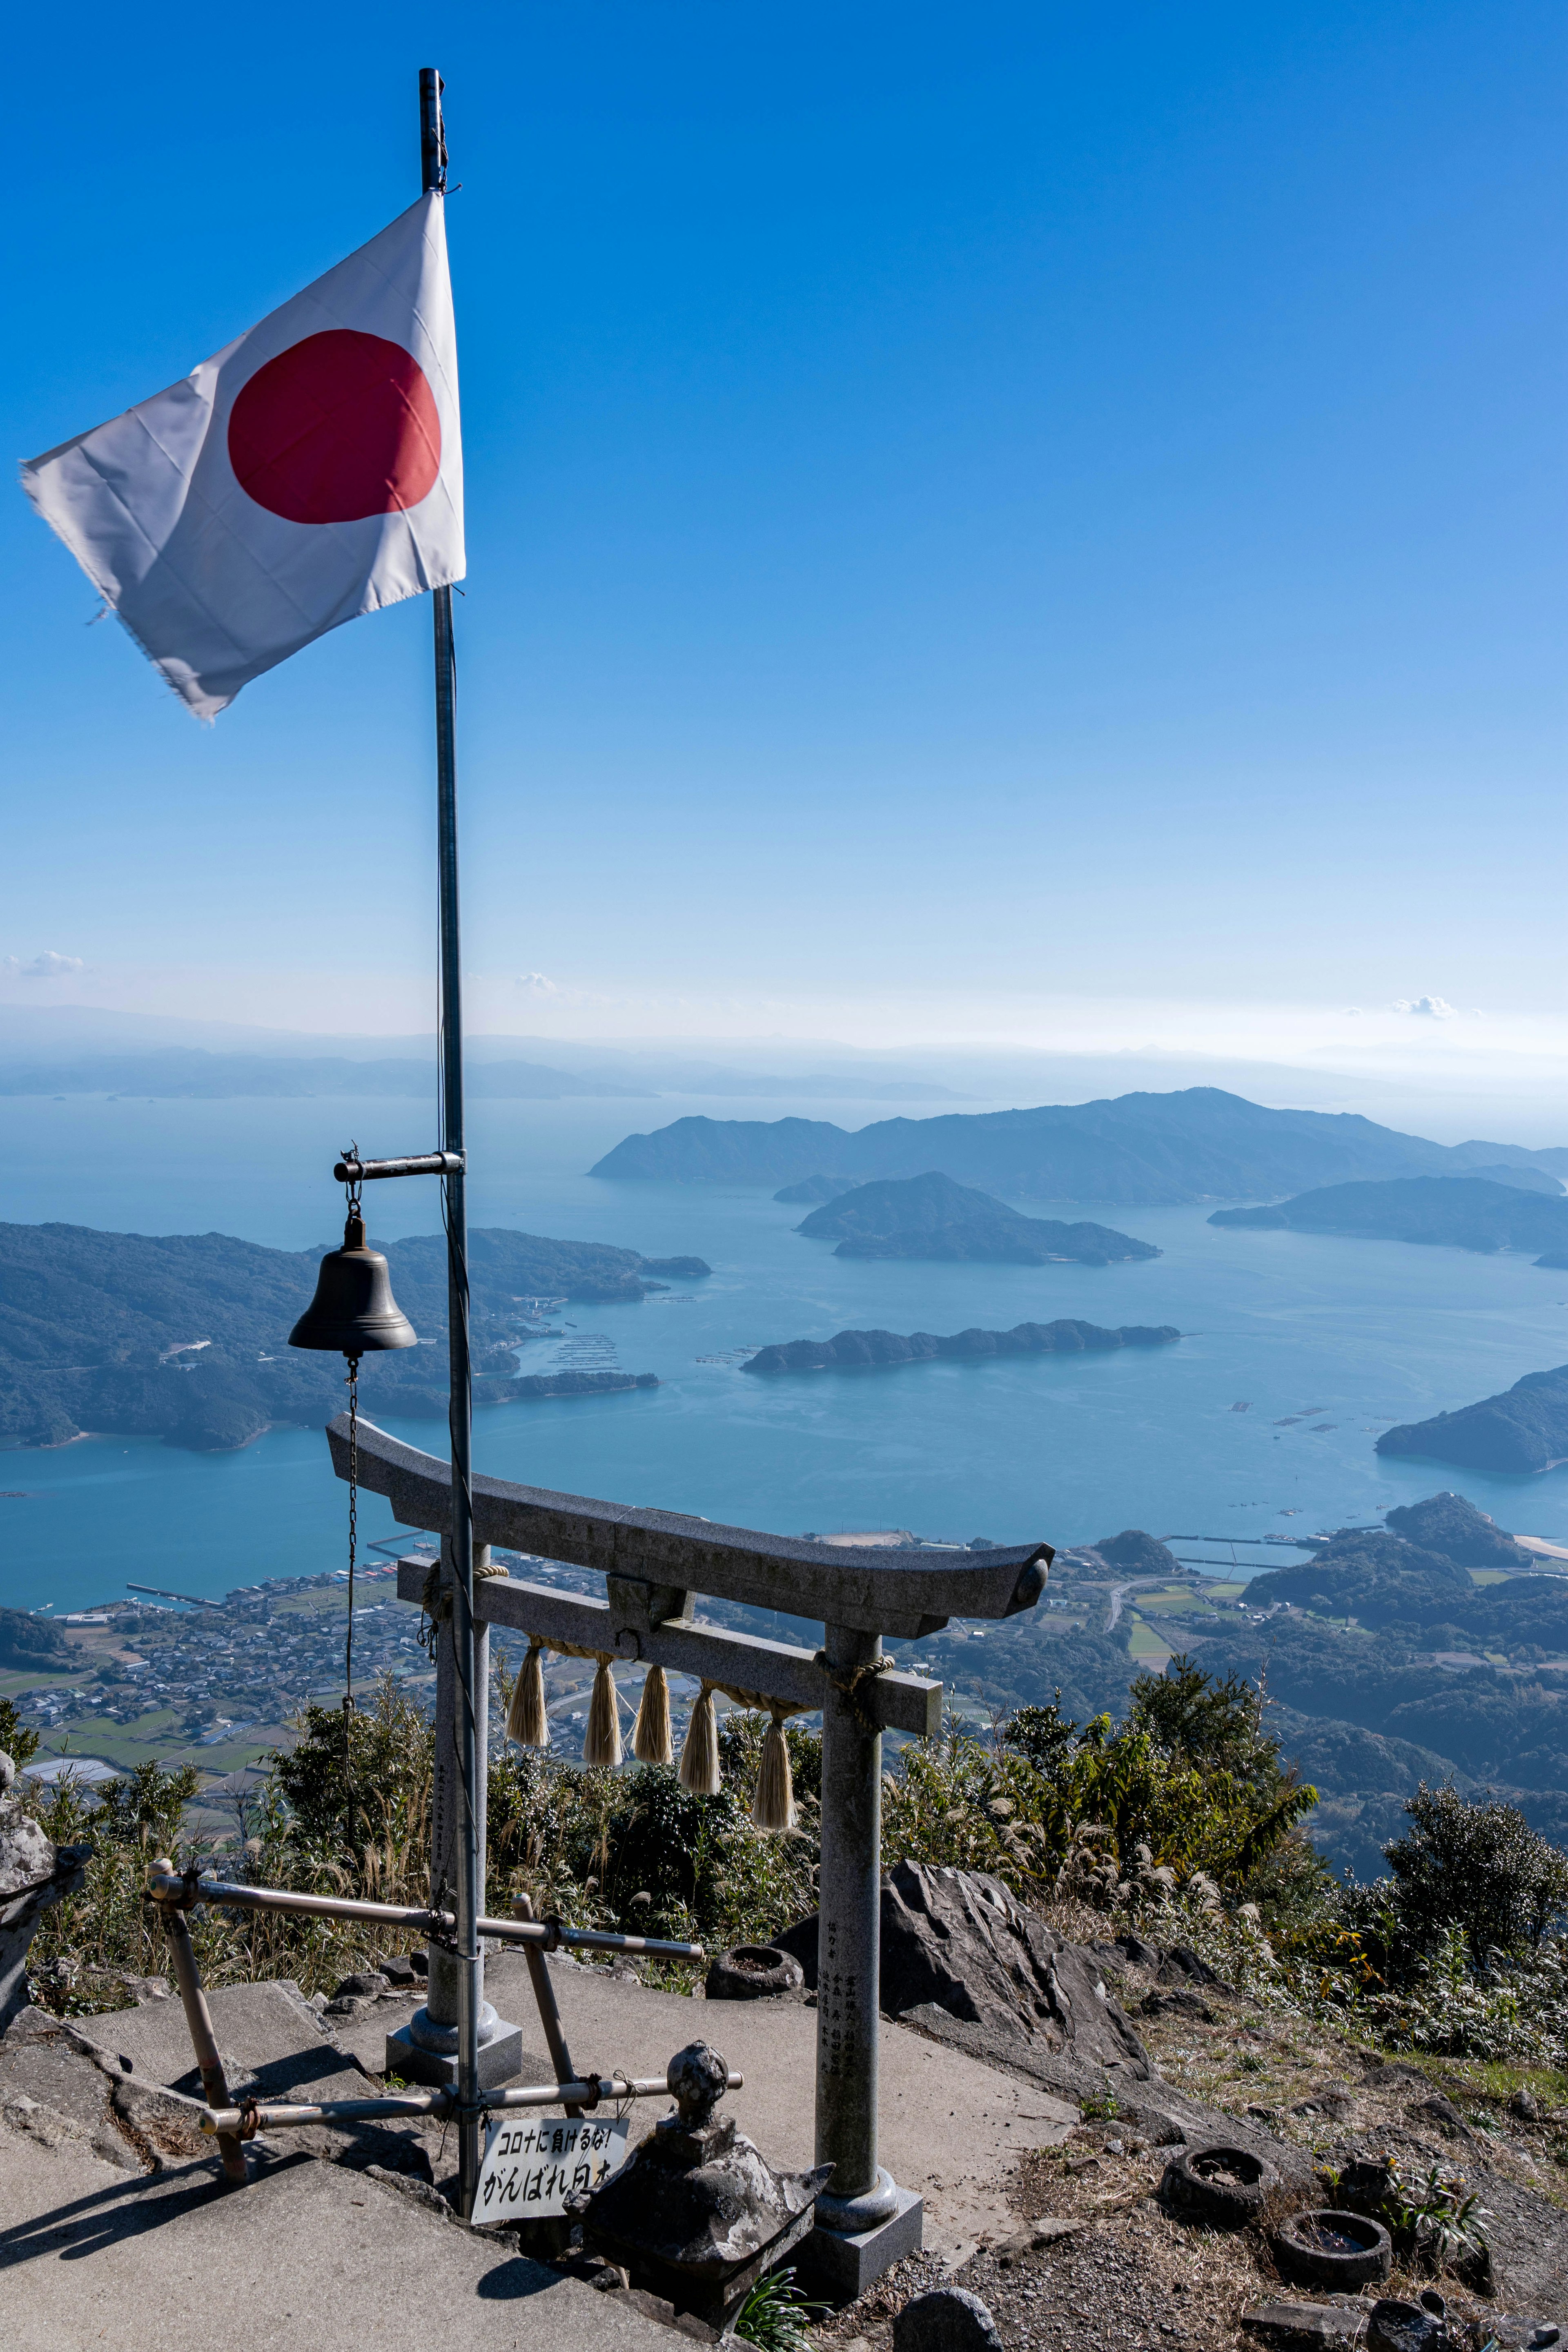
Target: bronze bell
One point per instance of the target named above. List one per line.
(353, 1312)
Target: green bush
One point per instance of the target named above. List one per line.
(18, 1741)
(1479, 1867)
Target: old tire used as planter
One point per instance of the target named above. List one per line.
(1225, 2187)
(752, 1972)
(1326, 2247)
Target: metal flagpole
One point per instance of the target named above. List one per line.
(469, 1903)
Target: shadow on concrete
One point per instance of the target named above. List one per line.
(512, 2280)
(130, 2209)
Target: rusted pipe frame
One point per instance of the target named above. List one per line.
(180, 1891)
(873, 1589)
(199, 2017)
(252, 2116)
(896, 1702)
(549, 1935)
(423, 1163)
(546, 2004)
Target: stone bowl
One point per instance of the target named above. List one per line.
(752, 1972)
(1225, 2187)
(1324, 2247)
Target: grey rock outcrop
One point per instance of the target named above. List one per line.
(34, 1874)
(958, 1949)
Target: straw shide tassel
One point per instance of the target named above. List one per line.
(773, 1806)
(526, 1721)
(700, 1757)
(602, 1738)
(651, 1741)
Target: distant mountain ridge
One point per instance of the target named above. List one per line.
(190, 1074)
(1465, 1212)
(200, 1074)
(1198, 1143)
(930, 1216)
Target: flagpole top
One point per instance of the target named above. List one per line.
(432, 133)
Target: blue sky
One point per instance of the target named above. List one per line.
(1023, 522)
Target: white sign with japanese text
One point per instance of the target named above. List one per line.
(533, 2163)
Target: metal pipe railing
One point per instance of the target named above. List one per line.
(181, 1890)
(245, 2121)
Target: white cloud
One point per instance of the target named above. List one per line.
(47, 966)
(1432, 1008)
(536, 984)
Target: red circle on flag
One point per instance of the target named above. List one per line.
(337, 427)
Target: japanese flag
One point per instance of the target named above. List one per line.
(310, 471)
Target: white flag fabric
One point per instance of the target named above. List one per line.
(310, 471)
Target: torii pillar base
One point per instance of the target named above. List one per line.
(843, 2264)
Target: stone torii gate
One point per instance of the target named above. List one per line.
(655, 1564)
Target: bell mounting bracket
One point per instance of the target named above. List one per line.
(352, 1170)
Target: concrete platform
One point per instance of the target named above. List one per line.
(268, 2037)
(310, 2257)
(951, 2129)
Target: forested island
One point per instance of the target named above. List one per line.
(856, 1350)
(1198, 1143)
(185, 1336)
(1472, 1213)
(930, 1216)
(1525, 1428)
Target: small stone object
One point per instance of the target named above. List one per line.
(145, 1991)
(1334, 2105)
(1525, 2106)
(7, 1772)
(365, 1984)
(1141, 1955)
(1439, 2111)
(1397, 2327)
(948, 2319)
(401, 1973)
(1365, 2184)
(753, 1972)
(697, 2213)
(1304, 2327)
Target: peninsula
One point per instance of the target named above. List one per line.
(930, 1216)
(185, 1336)
(1525, 1428)
(861, 1350)
(1196, 1144)
(1474, 1212)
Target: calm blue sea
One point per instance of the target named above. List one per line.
(1066, 1449)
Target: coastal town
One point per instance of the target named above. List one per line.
(220, 1685)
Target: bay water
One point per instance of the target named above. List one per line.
(1064, 1448)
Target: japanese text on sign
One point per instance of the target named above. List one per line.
(532, 2163)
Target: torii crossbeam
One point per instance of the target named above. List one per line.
(655, 1564)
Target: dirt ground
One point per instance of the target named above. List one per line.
(1124, 2272)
